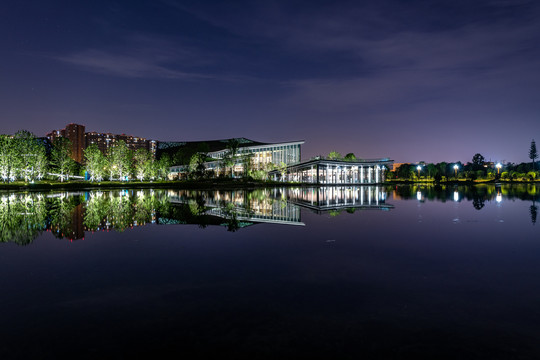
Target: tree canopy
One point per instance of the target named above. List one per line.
(533, 153)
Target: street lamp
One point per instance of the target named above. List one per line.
(456, 167)
(419, 168)
(498, 166)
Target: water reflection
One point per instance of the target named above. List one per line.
(24, 216)
(534, 212)
(481, 193)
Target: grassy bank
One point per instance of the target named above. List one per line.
(211, 184)
(462, 181)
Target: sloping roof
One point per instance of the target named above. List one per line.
(213, 145)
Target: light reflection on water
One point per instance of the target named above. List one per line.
(383, 272)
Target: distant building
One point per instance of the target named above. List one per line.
(105, 141)
(395, 166)
(81, 140)
(75, 134)
(327, 171)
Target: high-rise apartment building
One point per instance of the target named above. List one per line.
(75, 134)
(81, 140)
(105, 141)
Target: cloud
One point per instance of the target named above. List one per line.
(143, 56)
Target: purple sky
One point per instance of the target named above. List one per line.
(410, 80)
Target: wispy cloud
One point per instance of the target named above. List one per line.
(143, 56)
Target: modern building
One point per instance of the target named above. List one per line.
(326, 171)
(261, 154)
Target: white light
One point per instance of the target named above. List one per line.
(498, 198)
(418, 195)
(498, 165)
(456, 196)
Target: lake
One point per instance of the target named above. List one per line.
(390, 272)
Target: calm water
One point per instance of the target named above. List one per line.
(373, 272)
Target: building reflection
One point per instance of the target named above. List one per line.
(247, 206)
(320, 199)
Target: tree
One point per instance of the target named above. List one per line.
(41, 163)
(143, 163)
(61, 159)
(533, 153)
(478, 161)
(334, 155)
(120, 161)
(95, 162)
(404, 171)
(196, 165)
(282, 168)
(229, 159)
(29, 152)
(8, 158)
(162, 166)
(349, 157)
(247, 164)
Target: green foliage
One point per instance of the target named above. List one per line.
(120, 161)
(8, 158)
(196, 165)
(247, 164)
(142, 162)
(349, 157)
(230, 157)
(96, 162)
(161, 167)
(334, 155)
(61, 159)
(404, 171)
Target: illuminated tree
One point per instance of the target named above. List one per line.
(120, 161)
(61, 159)
(95, 162)
(196, 165)
(142, 163)
(30, 155)
(162, 167)
(247, 164)
(349, 157)
(41, 163)
(7, 158)
(230, 157)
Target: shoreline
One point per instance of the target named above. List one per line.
(220, 184)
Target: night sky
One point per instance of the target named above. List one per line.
(410, 80)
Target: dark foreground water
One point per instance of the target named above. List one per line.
(356, 272)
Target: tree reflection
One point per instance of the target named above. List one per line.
(478, 194)
(231, 215)
(534, 212)
(22, 218)
(65, 217)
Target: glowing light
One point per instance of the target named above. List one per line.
(456, 196)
